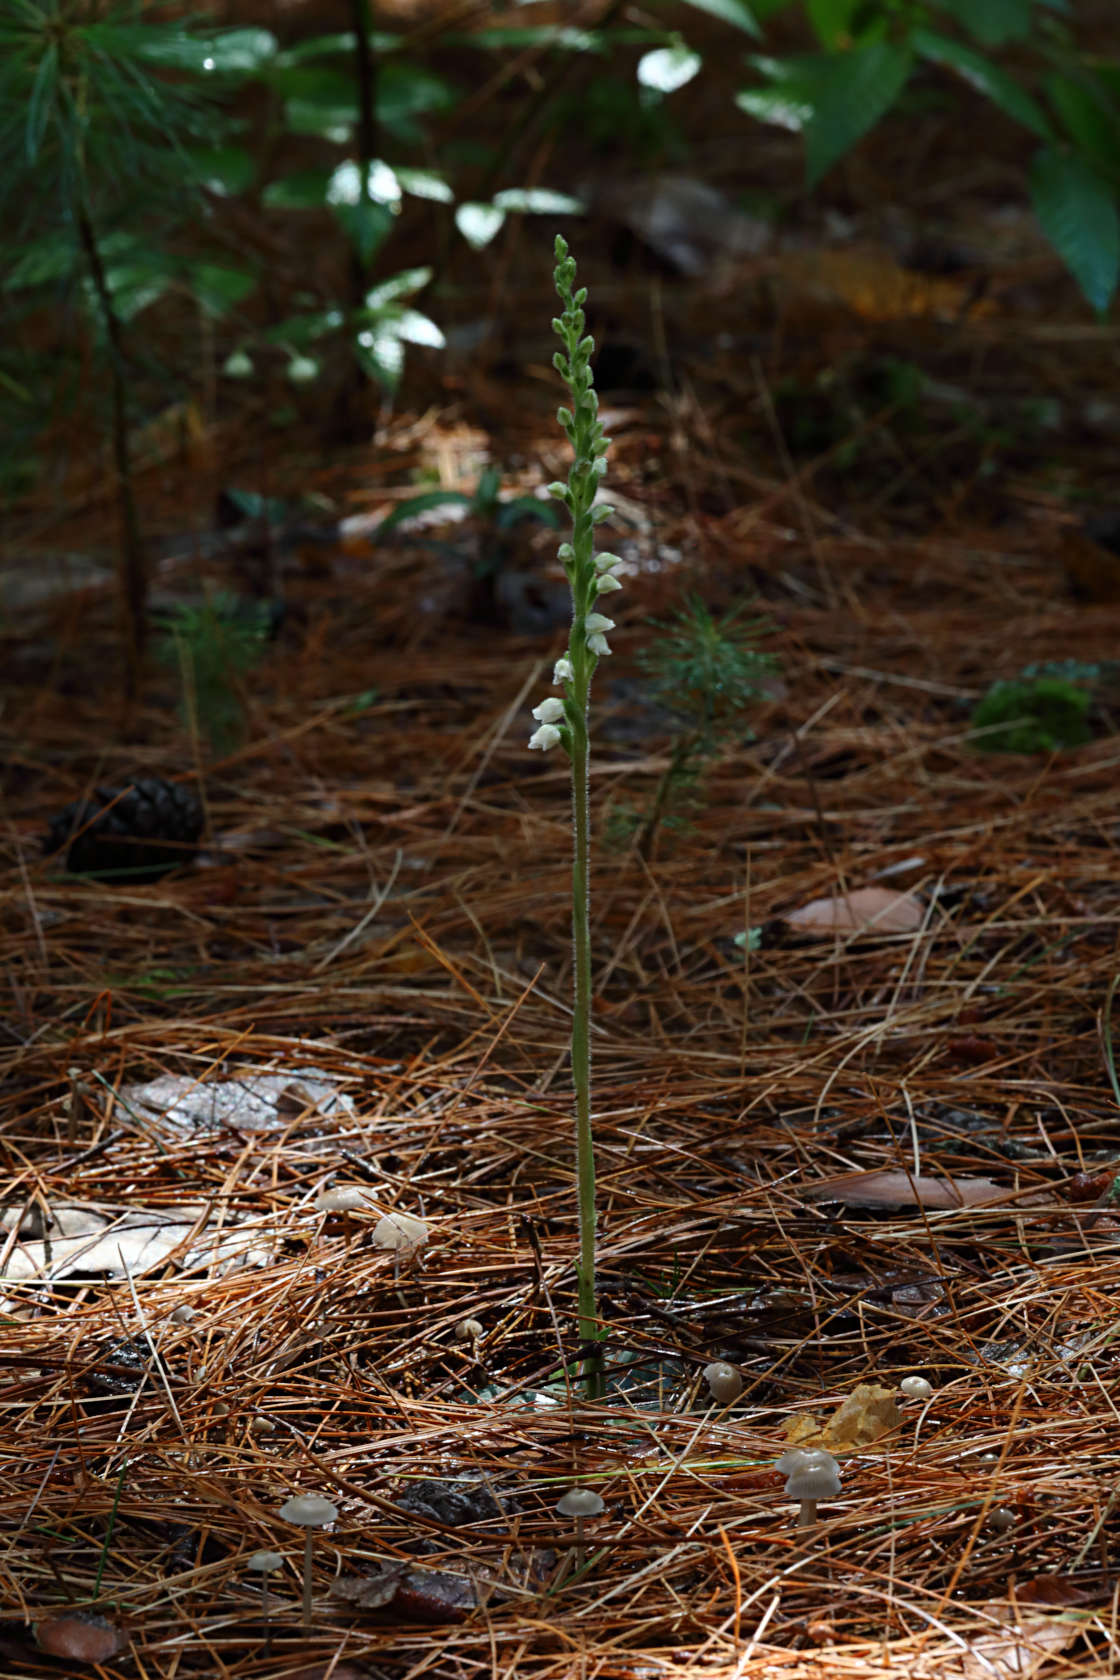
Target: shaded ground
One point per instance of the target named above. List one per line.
(383, 897)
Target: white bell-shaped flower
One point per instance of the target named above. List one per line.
(549, 711)
(546, 736)
(562, 671)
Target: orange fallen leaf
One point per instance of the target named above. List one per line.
(867, 909)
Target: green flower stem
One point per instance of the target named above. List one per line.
(581, 1022)
(566, 723)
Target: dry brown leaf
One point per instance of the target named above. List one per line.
(81, 1637)
(870, 909)
(864, 1415)
(888, 1188)
(868, 1412)
(1018, 1646)
(85, 1239)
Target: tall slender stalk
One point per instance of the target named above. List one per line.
(132, 569)
(565, 722)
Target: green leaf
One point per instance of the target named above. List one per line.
(306, 191)
(42, 262)
(367, 226)
(133, 286)
(405, 91)
(832, 21)
(425, 183)
(860, 87)
(381, 184)
(318, 101)
(1090, 118)
(422, 503)
(239, 52)
(986, 77)
(538, 201)
(539, 35)
(298, 331)
(1077, 212)
(318, 84)
(991, 22)
(479, 223)
(416, 328)
(319, 46)
(729, 11)
(41, 100)
(172, 46)
(397, 286)
(225, 170)
(219, 289)
(381, 357)
(668, 68)
(780, 106)
(339, 45)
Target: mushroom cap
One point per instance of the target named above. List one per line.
(308, 1510)
(916, 1388)
(264, 1562)
(468, 1330)
(811, 1473)
(580, 1502)
(725, 1382)
(399, 1230)
(344, 1198)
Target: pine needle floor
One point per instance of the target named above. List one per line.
(384, 897)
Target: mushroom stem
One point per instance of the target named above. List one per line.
(307, 1578)
(807, 1515)
(579, 1542)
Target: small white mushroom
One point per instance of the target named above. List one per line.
(468, 1330)
(182, 1315)
(811, 1475)
(308, 1511)
(580, 1503)
(344, 1198)
(262, 1564)
(916, 1388)
(399, 1231)
(725, 1382)
(1001, 1520)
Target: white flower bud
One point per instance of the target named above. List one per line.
(302, 369)
(597, 643)
(562, 670)
(546, 736)
(598, 621)
(607, 562)
(549, 711)
(606, 583)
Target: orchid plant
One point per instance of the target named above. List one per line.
(563, 722)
